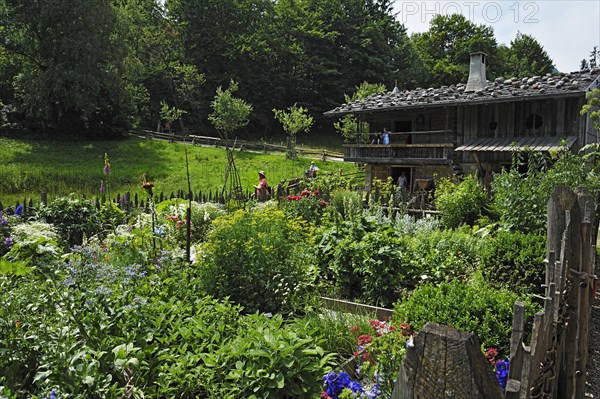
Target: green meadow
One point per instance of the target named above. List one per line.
(28, 167)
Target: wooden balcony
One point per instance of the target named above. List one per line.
(399, 154)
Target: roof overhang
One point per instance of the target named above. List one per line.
(512, 144)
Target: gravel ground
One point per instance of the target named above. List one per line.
(593, 370)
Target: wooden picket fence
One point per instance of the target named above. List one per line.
(553, 365)
(126, 201)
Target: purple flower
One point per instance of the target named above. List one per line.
(106, 169)
(102, 187)
(502, 367)
(8, 241)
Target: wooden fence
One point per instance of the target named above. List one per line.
(322, 154)
(553, 365)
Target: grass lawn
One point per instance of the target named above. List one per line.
(28, 168)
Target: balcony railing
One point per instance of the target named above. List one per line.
(438, 153)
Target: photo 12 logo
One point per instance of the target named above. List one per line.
(489, 11)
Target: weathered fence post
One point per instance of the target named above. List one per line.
(44, 198)
(447, 363)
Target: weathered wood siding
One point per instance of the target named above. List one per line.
(558, 116)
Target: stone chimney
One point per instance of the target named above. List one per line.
(477, 79)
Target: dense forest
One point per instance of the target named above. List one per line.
(100, 67)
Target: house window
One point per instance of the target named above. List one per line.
(533, 121)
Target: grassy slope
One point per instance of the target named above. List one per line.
(29, 167)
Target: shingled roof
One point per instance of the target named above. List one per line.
(500, 90)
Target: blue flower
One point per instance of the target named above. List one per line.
(19, 210)
(502, 367)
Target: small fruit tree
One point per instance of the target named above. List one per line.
(229, 114)
(294, 121)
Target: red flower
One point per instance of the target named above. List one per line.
(316, 192)
(18, 323)
(354, 329)
(323, 203)
(491, 354)
(305, 193)
(364, 339)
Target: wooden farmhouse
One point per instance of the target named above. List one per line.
(470, 128)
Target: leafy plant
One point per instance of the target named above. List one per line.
(459, 201)
(473, 307)
(74, 218)
(267, 358)
(514, 260)
(259, 259)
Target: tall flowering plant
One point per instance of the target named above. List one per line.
(309, 205)
(379, 354)
(500, 366)
(105, 182)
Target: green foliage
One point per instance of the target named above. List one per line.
(515, 261)
(34, 243)
(268, 358)
(308, 205)
(229, 113)
(294, 121)
(74, 218)
(445, 48)
(444, 255)
(363, 258)
(521, 194)
(459, 201)
(170, 114)
(349, 126)
(29, 167)
(592, 107)
(69, 81)
(467, 306)
(258, 259)
(203, 214)
(525, 57)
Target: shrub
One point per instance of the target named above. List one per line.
(515, 261)
(473, 307)
(74, 218)
(363, 258)
(267, 359)
(444, 255)
(460, 202)
(258, 259)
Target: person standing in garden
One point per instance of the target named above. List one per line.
(261, 192)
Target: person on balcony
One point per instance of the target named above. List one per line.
(386, 135)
